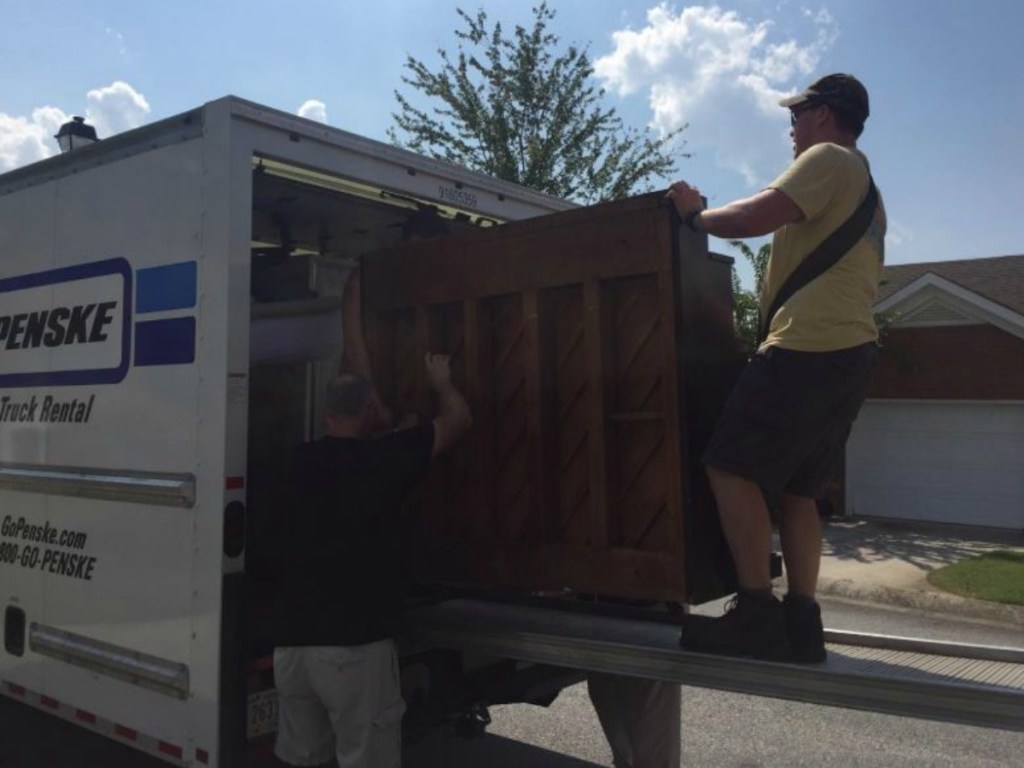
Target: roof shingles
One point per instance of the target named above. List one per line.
(999, 279)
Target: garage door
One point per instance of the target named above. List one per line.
(944, 462)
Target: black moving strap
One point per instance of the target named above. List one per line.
(822, 258)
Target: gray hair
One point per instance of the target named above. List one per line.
(348, 395)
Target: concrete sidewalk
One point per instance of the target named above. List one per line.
(888, 562)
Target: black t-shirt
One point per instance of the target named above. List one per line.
(340, 553)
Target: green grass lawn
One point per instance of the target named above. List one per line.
(996, 576)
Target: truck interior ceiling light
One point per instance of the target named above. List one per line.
(378, 194)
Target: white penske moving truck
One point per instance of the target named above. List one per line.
(169, 313)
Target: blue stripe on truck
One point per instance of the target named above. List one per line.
(165, 342)
(158, 289)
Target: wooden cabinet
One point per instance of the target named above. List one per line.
(595, 348)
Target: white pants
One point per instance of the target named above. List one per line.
(339, 701)
(641, 719)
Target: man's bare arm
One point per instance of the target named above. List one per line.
(754, 216)
(356, 354)
(357, 357)
(454, 417)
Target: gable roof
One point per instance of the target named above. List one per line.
(999, 279)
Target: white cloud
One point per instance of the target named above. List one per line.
(25, 140)
(122, 49)
(117, 107)
(110, 110)
(721, 74)
(897, 235)
(314, 109)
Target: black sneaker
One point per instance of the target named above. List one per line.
(752, 626)
(805, 630)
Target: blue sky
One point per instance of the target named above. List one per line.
(945, 78)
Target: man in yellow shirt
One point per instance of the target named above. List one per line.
(785, 425)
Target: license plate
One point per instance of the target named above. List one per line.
(262, 713)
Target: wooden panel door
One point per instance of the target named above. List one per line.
(563, 336)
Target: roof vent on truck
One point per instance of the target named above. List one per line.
(75, 134)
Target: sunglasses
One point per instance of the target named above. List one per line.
(799, 109)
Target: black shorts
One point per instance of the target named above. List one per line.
(786, 422)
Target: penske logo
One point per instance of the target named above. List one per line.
(91, 323)
(57, 327)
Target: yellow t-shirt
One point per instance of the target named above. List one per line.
(827, 182)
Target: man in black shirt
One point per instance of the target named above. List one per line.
(335, 664)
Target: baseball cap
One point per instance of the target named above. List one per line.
(841, 91)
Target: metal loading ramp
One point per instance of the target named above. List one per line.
(950, 682)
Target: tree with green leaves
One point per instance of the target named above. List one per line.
(745, 304)
(524, 109)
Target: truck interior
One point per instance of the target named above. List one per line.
(309, 230)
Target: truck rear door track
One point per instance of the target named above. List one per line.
(950, 682)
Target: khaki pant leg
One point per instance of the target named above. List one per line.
(385, 748)
(604, 693)
(641, 719)
(359, 687)
(304, 732)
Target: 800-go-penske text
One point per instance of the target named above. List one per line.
(24, 544)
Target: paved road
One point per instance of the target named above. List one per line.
(720, 730)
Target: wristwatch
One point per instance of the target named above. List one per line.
(691, 219)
